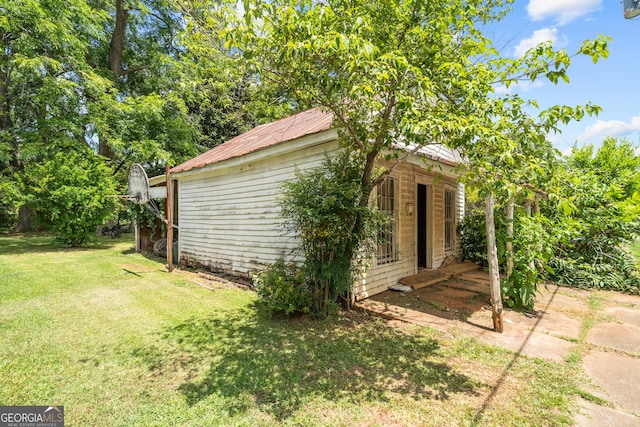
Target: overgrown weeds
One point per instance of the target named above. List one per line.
(579, 234)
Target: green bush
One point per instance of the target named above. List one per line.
(603, 186)
(634, 247)
(281, 289)
(328, 210)
(616, 271)
(532, 247)
(473, 237)
(581, 236)
(72, 193)
(8, 204)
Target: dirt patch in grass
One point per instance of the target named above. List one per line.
(450, 299)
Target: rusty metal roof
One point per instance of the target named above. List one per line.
(305, 123)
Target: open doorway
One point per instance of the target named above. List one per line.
(422, 229)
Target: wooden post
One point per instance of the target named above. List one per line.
(509, 243)
(136, 229)
(494, 272)
(536, 211)
(169, 221)
(527, 208)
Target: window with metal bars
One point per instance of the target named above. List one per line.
(386, 204)
(449, 220)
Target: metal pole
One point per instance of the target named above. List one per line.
(169, 221)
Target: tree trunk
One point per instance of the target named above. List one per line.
(366, 175)
(509, 243)
(116, 47)
(527, 209)
(5, 118)
(536, 211)
(26, 218)
(494, 272)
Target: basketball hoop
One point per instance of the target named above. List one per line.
(140, 193)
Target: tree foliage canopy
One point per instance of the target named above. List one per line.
(115, 76)
(403, 74)
(399, 75)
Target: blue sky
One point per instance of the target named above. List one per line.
(613, 83)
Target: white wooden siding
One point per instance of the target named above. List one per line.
(230, 218)
(380, 277)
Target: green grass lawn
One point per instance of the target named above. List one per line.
(117, 340)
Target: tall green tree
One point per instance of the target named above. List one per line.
(140, 115)
(43, 76)
(72, 194)
(226, 99)
(111, 75)
(399, 75)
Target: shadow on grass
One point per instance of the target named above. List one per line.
(148, 255)
(18, 243)
(249, 360)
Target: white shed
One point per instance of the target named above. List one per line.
(229, 217)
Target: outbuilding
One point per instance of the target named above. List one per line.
(226, 202)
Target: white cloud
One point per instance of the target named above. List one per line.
(527, 86)
(556, 139)
(501, 90)
(602, 129)
(539, 36)
(518, 87)
(564, 11)
(522, 86)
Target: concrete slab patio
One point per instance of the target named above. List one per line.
(554, 331)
